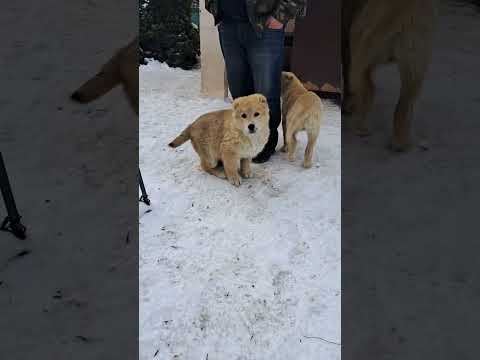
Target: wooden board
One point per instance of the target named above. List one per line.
(316, 52)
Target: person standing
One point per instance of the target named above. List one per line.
(252, 41)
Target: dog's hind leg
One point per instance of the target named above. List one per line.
(291, 144)
(295, 123)
(312, 140)
(284, 128)
(362, 96)
(212, 169)
(412, 73)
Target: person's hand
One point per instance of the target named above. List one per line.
(274, 24)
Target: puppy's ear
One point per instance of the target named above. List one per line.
(288, 76)
(262, 99)
(235, 104)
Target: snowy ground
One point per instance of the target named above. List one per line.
(227, 273)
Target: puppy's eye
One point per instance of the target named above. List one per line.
(244, 116)
(256, 114)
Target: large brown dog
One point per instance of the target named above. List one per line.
(122, 69)
(232, 137)
(378, 32)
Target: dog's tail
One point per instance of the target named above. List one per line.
(181, 139)
(108, 77)
(111, 74)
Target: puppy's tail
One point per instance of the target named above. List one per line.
(110, 75)
(181, 139)
(100, 84)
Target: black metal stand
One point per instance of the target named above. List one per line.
(144, 198)
(12, 221)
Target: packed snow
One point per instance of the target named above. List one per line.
(228, 273)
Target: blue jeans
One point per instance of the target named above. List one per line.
(254, 65)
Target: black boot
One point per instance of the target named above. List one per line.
(269, 148)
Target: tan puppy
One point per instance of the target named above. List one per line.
(232, 137)
(301, 111)
(378, 32)
(122, 69)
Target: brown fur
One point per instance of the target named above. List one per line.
(223, 136)
(122, 69)
(378, 32)
(301, 111)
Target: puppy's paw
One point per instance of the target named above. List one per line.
(291, 157)
(235, 180)
(307, 164)
(247, 174)
(284, 148)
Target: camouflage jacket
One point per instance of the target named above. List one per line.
(260, 10)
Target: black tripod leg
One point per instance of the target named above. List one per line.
(12, 221)
(144, 196)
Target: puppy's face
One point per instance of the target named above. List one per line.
(251, 114)
(287, 80)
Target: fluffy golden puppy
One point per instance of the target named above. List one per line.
(301, 111)
(230, 137)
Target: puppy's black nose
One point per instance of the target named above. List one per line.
(251, 128)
